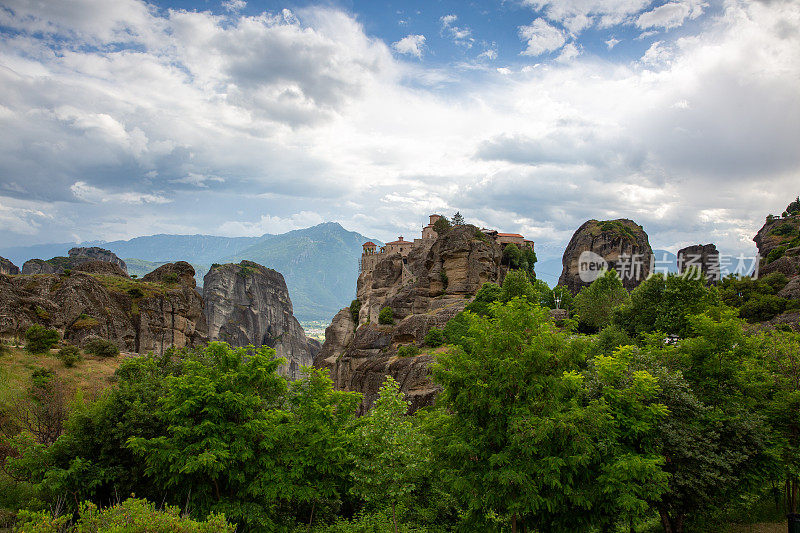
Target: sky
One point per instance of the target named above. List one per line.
(239, 118)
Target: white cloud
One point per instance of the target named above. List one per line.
(577, 15)
(87, 193)
(460, 35)
(611, 43)
(568, 53)
(234, 6)
(304, 112)
(541, 37)
(671, 15)
(410, 45)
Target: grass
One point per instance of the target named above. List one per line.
(123, 285)
(90, 376)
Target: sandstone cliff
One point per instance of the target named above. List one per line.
(7, 267)
(778, 243)
(623, 245)
(249, 304)
(98, 254)
(426, 288)
(138, 316)
(704, 257)
(77, 256)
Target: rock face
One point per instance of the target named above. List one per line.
(98, 254)
(778, 243)
(101, 267)
(178, 272)
(7, 267)
(137, 316)
(249, 304)
(77, 256)
(433, 283)
(621, 243)
(703, 257)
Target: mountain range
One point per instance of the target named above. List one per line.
(320, 263)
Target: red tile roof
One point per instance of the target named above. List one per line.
(509, 235)
(369, 243)
(400, 242)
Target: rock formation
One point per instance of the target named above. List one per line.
(621, 244)
(426, 288)
(137, 316)
(778, 243)
(101, 267)
(98, 254)
(77, 256)
(703, 257)
(249, 304)
(7, 267)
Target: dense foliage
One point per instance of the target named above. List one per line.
(672, 413)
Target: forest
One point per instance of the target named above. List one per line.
(661, 409)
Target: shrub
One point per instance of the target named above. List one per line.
(42, 313)
(488, 293)
(386, 316)
(355, 308)
(434, 338)
(130, 515)
(171, 277)
(39, 339)
(84, 321)
(101, 348)
(136, 292)
(456, 329)
(41, 377)
(69, 355)
(67, 271)
(408, 351)
(4, 349)
(762, 307)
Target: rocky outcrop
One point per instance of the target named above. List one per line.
(619, 244)
(101, 267)
(369, 355)
(704, 258)
(98, 254)
(424, 289)
(791, 291)
(178, 272)
(138, 316)
(7, 267)
(77, 256)
(249, 304)
(447, 271)
(778, 243)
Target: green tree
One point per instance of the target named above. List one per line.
(355, 309)
(520, 437)
(487, 294)
(595, 303)
(442, 226)
(434, 337)
(558, 298)
(387, 451)
(665, 303)
(457, 219)
(512, 256)
(39, 339)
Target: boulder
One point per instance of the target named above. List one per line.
(247, 303)
(98, 254)
(179, 272)
(618, 244)
(7, 267)
(704, 258)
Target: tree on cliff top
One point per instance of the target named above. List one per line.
(457, 219)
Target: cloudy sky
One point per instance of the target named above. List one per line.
(130, 118)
